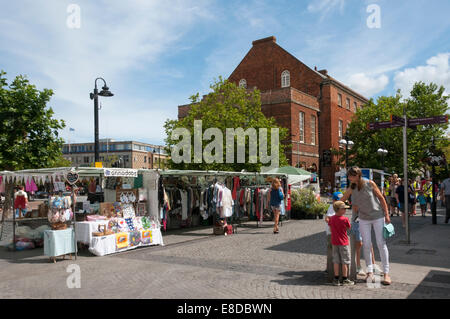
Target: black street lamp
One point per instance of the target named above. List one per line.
(348, 144)
(94, 96)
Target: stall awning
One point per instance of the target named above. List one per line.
(42, 173)
(295, 175)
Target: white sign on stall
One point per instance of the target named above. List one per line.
(120, 172)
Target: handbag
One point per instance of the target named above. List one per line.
(388, 231)
(283, 209)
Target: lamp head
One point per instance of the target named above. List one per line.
(105, 92)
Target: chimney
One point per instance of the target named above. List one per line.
(324, 72)
(315, 68)
(268, 39)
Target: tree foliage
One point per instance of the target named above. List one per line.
(28, 132)
(426, 100)
(227, 106)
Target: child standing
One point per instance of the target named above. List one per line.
(335, 197)
(423, 202)
(339, 224)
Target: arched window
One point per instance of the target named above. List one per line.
(243, 83)
(285, 79)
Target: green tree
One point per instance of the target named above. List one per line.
(425, 101)
(28, 132)
(61, 162)
(228, 106)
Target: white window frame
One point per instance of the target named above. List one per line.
(340, 99)
(243, 83)
(355, 106)
(301, 126)
(313, 130)
(285, 79)
(340, 128)
(347, 103)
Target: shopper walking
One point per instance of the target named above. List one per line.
(428, 192)
(423, 202)
(412, 194)
(394, 183)
(373, 213)
(445, 197)
(400, 195)
(276, 197)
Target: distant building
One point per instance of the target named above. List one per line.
(316, 108)
(127, 154)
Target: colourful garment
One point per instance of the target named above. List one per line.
(236, 185)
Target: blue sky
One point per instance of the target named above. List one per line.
(155, 54)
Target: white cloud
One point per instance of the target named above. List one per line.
(325, 6)
(436, 70)
(368, 85)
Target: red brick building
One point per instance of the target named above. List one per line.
(315, 107)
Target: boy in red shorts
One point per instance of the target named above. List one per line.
(339, 224)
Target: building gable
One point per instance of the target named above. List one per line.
(263, 65)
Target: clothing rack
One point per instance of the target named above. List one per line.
(209, 178)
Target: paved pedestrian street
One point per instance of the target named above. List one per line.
(254, 263)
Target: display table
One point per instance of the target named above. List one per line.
(59, 243)
(104, 245)
(84, 230)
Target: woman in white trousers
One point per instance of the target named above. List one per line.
(373, 213)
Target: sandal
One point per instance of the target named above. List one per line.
(370, 276)
(387, 282)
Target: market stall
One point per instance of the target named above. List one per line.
(193, 198)
(102, 203)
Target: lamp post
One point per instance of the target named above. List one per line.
(94, 96)
(433, 183)
(381, 151)
(348, 145)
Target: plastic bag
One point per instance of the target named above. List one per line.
(23, 231)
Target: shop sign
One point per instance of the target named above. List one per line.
(72, 177)
(120, 172)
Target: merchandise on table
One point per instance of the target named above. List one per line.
(60, 211)
(128, 230)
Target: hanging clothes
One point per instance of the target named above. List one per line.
(2, 185)
(227, 201)
(139, 181)
(33, 185)
(184, 204)
(236, 185)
